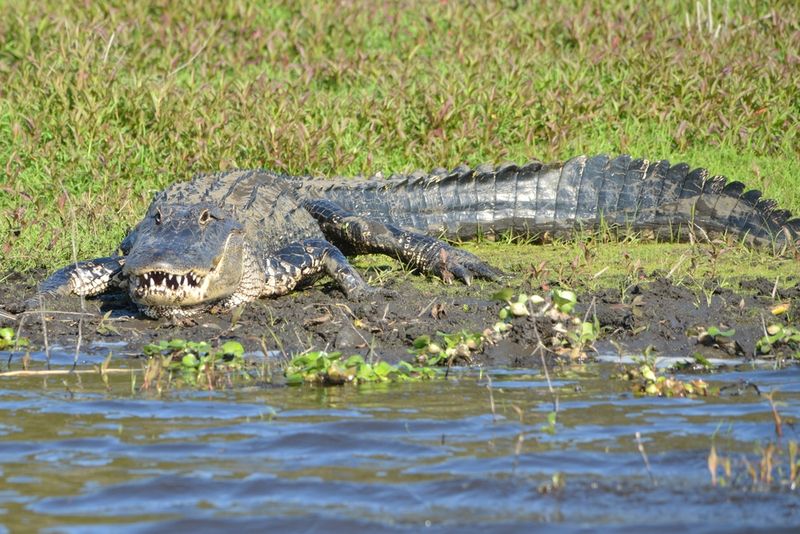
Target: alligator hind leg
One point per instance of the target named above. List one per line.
(361, 235)
(303, 262)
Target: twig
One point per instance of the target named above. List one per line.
(541, 348)
(62, 372)
(491, 397)
(44, 330)
(60, 312)
(640, 446)
(422, 312)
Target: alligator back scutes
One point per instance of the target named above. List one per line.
(654, 197)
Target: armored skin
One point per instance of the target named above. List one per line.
(219, 240)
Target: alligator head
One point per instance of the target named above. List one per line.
(183, 257)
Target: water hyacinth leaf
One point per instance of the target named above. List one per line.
(564, 300)
(648, 373)
(356, 360)
(422, 341)
(366, 374)
(6, 334)
(294, 379)
(383, 369)
(774, 330)
(504, 295)
(714, 332)
(518, 309)
(233, 347)
(174, 344)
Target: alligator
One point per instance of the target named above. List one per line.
(223, 239)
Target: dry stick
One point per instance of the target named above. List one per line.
(56, 312)
(422, 312)
(44, 330)
(681, 259)
(640, 446)
(61, 372)
(491, 397)
(541, 348)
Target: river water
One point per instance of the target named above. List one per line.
(472, 453)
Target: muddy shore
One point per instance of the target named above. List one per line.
(653, 313)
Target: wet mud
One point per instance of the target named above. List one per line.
(654, 315)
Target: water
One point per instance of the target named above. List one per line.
(76, 457)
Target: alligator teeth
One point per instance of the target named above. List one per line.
(164, 280)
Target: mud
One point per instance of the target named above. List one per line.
(655, 313)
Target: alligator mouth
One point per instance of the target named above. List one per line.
(164, 283)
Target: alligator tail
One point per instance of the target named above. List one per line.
(654, 199)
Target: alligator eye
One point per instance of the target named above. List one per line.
(204, 217)
(157, 216)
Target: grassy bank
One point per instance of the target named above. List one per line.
(101, 106)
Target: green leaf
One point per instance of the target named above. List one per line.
(366, 373)
(647, 373)
(504, 295)
(421, 342)
(383, 369)
(356, 360)
(232, 347)
(714, 332)
(295, 379)
(174, 344)
(564, 300)
(7, 333)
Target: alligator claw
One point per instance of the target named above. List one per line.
(454, 263)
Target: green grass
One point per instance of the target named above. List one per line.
(100, 105)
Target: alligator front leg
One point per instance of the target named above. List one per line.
(302, 263)
(86, 278)
(295, 265)
(361, 235)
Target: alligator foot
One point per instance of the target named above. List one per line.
(303, 262)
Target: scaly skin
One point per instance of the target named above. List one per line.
(224, 239)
